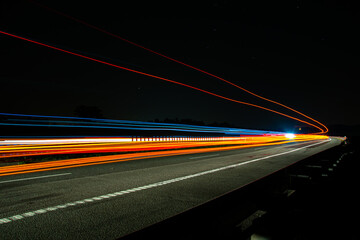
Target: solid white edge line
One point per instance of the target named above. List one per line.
(31, 178)
(213, 155)
(152, 185)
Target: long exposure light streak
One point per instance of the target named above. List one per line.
(161, 78)
(133, 150)
(16, 118)
(46, 151)
(177, 61)
(74, 122)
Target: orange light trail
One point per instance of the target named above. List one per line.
(149, 150)
(161, 78)
(177, 61)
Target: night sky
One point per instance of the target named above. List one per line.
(301, 53)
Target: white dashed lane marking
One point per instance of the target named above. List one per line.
(153, 185)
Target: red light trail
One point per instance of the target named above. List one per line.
(161, 78)
(177, 61)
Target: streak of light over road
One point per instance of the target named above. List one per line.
(164, 79)
(131, 149)
(174, 60)
(75, 122)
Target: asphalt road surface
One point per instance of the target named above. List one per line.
(111, 200)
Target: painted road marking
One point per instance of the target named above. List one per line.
(31, 178)
(153, 185)
(213, 155)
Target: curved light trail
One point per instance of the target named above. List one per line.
(161, 78)
(177, 61)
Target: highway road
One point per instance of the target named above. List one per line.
(111, 200)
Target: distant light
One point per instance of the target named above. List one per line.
(290, 135)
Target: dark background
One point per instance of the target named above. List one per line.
(301, 53)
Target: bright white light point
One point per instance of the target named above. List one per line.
(290, 135)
